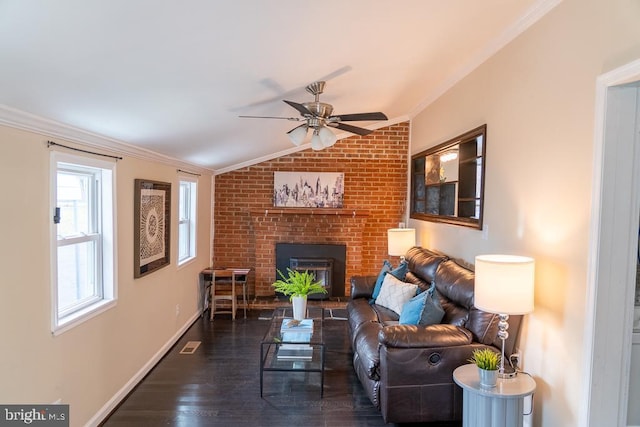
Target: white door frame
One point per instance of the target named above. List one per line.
(612, 250)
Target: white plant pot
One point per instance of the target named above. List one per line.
(488, 379)
(299, 307)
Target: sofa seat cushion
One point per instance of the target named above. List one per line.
(385, 315)
(416, 336)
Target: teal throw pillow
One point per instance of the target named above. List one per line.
(412, 310)
(386, 267)
(432, 312)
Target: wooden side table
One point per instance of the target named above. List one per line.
(500, 406)
(223, 288)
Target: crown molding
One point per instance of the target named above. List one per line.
(531, 16)
(22, 120)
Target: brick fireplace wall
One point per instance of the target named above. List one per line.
(247, 226)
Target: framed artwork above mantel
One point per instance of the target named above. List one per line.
(308, 189)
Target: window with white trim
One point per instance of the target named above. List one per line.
(187, 220)
(83, 253)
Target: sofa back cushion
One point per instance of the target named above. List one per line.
(455, 284)
(422, 264)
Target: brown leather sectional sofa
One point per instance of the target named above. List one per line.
(407, 370)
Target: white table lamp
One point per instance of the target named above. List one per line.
(400, 240)
(504, 285)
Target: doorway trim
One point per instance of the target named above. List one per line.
(612, 250)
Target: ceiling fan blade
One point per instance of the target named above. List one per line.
(352, 129)
(361, 117)
(295, 119)
(301, 108)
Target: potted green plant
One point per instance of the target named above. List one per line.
(297, 285)
(488, 362)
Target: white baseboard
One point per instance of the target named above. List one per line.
(126, 389)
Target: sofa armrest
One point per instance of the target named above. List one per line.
(362, 286)
(416, 336)
(416, 384)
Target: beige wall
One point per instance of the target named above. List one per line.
(537, 96)
(90, 364)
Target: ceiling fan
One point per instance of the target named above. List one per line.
(317, 117)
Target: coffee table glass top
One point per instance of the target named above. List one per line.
(294, 347)
(315, 315)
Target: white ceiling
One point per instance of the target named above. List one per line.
(173, 76)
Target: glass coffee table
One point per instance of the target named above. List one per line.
(299, 349)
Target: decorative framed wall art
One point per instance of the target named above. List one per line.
(152, 226)
(308, 189)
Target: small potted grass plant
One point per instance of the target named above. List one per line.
(297, 285)
(488, 362)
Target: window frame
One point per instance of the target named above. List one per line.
(102, 235)
(192, 184)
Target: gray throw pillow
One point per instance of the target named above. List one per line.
(432, 312)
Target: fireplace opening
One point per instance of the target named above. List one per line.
(321, 268)
(326, 261)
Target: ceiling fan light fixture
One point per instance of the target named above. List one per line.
(327, 138)
(298, 134)
(316, 141)
(318, 117)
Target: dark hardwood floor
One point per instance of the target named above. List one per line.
(219, 385)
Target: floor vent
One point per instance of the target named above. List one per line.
(190, 347)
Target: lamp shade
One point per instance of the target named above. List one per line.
(400, 240)
(504, 284)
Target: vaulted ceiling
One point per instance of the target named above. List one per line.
(172, 77)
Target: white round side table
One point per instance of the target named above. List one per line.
(500, 406)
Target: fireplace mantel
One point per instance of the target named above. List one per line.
(309, 211)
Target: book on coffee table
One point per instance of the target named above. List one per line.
(296, 331)
(289, 324)
(295, 352)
